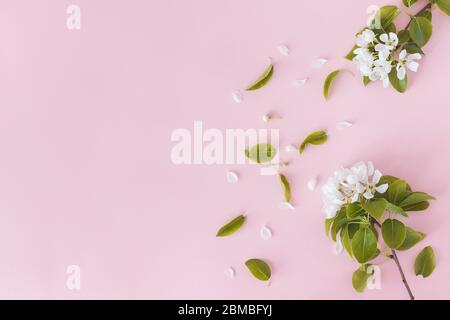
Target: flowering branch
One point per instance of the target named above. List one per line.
(383, 54)
(356, 201)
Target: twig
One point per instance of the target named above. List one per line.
(428, 6)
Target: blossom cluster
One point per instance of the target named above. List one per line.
(375, 56)
(346, 186)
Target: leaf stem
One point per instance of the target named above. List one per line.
(428, 6)
(394, 257)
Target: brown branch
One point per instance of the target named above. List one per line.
(397, 262)
(428, 6)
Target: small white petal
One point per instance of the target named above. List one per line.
(312, 183)
(338, 247)
(232, 177)
(402, 55)
(318, 63)
(299, 82)
(382, 188)
(266, 118)
(286, 205)
(412, 65)
(344, 125)
(237, 96)
(290, 148)
(376, 177)
(265, 233)
(368, 195)
(283, 49)
(384, 37)
(229, 272)
(370, 168)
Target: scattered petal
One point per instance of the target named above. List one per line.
(338, 247)
(266, 118)
(265, 233)
(229, 272)
(318, 63)
(232, 177)
(290, 148)
(299, 82)
(344, 125)
(237, 96)
(286, 205)
(312, 183)
(283, 49)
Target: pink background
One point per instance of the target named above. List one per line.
(86, 176)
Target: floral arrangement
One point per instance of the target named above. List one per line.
(382, 53)
(359, 202)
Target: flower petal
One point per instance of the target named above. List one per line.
(412, 65)
(401, 73)
(237, 96)
(402, 55)
(265, 233)
(283, 49)
(376, 177)
(229, 272)
(382, 188)
(384, 37)
(368, 195)
(232, 177)
(312, 183)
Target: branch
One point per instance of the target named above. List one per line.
(397, 262)
(428, 6)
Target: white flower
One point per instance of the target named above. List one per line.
(389, 43)
(364, 60)
(364, 38)
(348, 185)
(408, 61)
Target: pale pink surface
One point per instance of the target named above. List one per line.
(85, 170)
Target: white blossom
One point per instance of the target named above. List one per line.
(406, 60)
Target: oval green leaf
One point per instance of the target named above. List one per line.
(387, 15)
(375, 207)
(397, 191)
(364, 245)
(346, 240)
(444, 5)
(315, 138)
(417, 207)
(425, 262)
(261, 153)
(394, 233)
(231, 227)
(360, 278)
(328, 82)
(403, 36)
(420, 30)
(409, 3)
(412, 238)
(411, 48)
(414, 198)
(354, 210)
(259, 269)
(263, 79)
(286, 187)
(397, 84)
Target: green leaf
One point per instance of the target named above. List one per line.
(354, 210)
(315, 138)
(387, 15)
(395, 209)
(261, 153)
(412, 48)
(417, 207)
(263, 79)
(346, 240)
(259, 268)
(411, 239)
(425, 262)
(360, 278)
(409, 3)
(397, 192)
(231, 227)
(391, 179)
(420, 30)
(375, 207)
(328, 223)
(351, 54)
(444, 5)
(403, 37)
(366, 81)
(399, 85)
(286, 187)
(394, 233)
(328, 82)
(414, 198)
(364, 245)
(339, 221)
(426, 14)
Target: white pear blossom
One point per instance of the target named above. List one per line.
(406, 60)
(365, 38)
(348, 185)
(388, 44)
